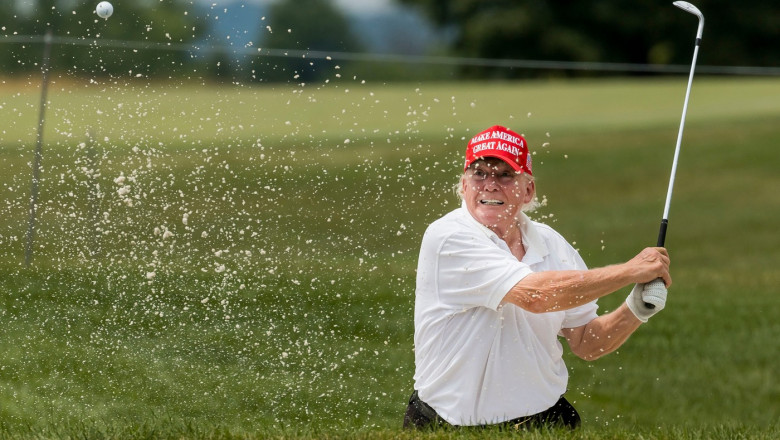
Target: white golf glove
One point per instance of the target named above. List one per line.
(653, 293)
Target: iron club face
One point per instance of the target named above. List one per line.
(687, 7)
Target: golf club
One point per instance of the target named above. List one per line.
(653, 292)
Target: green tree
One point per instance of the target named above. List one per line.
(310, 25)
(507, 29)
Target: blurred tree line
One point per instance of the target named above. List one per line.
(139, 21)
(163, 38)
(160, 36)
(299, 25)
(615, 31)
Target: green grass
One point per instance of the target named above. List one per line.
(282, 307)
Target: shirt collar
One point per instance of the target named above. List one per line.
(535, 247)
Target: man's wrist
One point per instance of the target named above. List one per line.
(635, 310)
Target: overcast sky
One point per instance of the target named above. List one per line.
(356, 6)
(349, 5)
(364, 5)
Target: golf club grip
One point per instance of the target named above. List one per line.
(660, 243)
(662, 233)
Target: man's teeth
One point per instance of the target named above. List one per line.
(491, 202)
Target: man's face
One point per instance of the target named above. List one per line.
(494, 193)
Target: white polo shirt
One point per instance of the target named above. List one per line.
(476, 361)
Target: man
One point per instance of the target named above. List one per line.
(494, 292)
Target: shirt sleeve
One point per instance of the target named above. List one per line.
(473, 271)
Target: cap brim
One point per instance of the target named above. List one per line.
(515, 166)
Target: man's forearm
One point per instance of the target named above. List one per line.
(603, 335)
(554, 291)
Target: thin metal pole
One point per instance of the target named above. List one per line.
(36, 170)
(94, 195)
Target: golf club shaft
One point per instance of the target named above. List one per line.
(658, 284)
(665, 219)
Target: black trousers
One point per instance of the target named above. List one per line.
(561, 415)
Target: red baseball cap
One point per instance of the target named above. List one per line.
(502, 143)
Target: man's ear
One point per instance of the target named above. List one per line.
(530, 191)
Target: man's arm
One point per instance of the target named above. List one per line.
(554, 291)
(602, 335)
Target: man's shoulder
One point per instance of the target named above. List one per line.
(452, 219)
(551, 237)
(455, 223)
(546, 231)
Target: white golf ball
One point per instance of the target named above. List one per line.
(104, 10)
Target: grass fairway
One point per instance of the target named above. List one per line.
(236, 262)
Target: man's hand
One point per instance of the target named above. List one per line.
(650, 264)
(655, 295)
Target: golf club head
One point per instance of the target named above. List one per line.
(687, 7)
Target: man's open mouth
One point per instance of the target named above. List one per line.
(491, 202)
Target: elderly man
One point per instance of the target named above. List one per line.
(495, 290)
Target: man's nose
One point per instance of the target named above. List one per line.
(491, 181)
